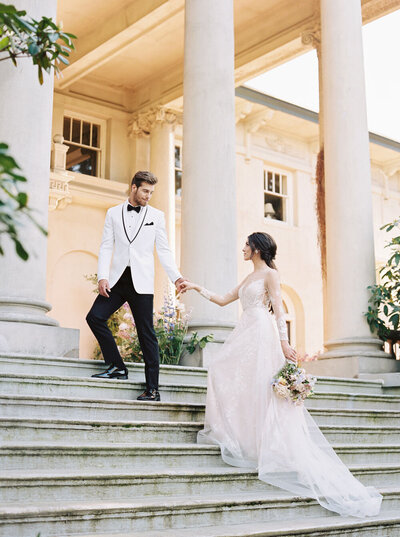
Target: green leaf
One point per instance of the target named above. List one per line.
(5, 8)
(54, 37)
(4, 43)
(64, 60)
(33, 49)
(22, 253)
(22, 199)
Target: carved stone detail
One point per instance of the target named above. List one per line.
(142, 123)
(59, 194)
(312, 37)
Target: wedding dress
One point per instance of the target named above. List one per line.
(256, 429)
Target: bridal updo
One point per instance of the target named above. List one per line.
(265, 244)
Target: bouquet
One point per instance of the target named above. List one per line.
(293, 383)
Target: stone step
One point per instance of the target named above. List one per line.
(351, 416)
(25, 364)
(174, 512)
(97, 388)
(386, 524)
(39, 406)
(127, 457)
(94, 431)
(105, 456)
(21, 486)
(44, 430)
(92, 409)
(128, 390)
(353, 400)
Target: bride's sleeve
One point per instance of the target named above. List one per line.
(221, 300)
(274, 291)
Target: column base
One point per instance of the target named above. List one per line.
(352, 358)
(26, 310)
(39, 339)
(202, 357)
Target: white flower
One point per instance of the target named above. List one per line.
(123, 326)
(180, 306)
(281, 391)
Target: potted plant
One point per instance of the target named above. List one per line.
(383, 313)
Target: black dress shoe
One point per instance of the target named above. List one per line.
(104, 374)
(149, 395)
(118, 374)
(113, 373)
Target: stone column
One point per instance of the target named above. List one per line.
(162, 165)
(209, 244)
(25, 125)
(349, 223)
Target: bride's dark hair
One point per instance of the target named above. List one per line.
(265, 244)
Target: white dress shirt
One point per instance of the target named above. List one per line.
(132, 219)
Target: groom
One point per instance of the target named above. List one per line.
(130, 231)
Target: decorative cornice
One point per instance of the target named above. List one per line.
(142, 124)
(373, 9)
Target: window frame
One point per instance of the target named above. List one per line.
(287, 198)
(178, 144)
(101, 150)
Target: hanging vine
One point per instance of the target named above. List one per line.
(320, 208)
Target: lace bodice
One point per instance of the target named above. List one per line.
(253, 294)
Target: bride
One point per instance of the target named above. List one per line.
(253, 427)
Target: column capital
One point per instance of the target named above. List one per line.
(312, 37)
(141, 124)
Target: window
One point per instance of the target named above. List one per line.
(178, 170)
(83, 139)
(275, 195)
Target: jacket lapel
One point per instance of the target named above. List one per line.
(140, 226)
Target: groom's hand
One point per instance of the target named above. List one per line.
(104, 287)
(179, 284)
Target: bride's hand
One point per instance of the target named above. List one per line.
(289, 352)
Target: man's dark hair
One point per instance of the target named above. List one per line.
(143, 177)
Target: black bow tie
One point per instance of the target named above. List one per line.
(132, 208)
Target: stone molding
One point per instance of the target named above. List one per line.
(373, 9)
(59, 194)
(142, 123)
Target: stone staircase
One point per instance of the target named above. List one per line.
(80, 456)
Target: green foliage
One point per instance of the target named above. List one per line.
(383, 314)
(13, 202)
(196, 341)
(42, 40)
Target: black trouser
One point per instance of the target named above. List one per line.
(142, 311)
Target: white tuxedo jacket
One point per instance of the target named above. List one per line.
(117, 249)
